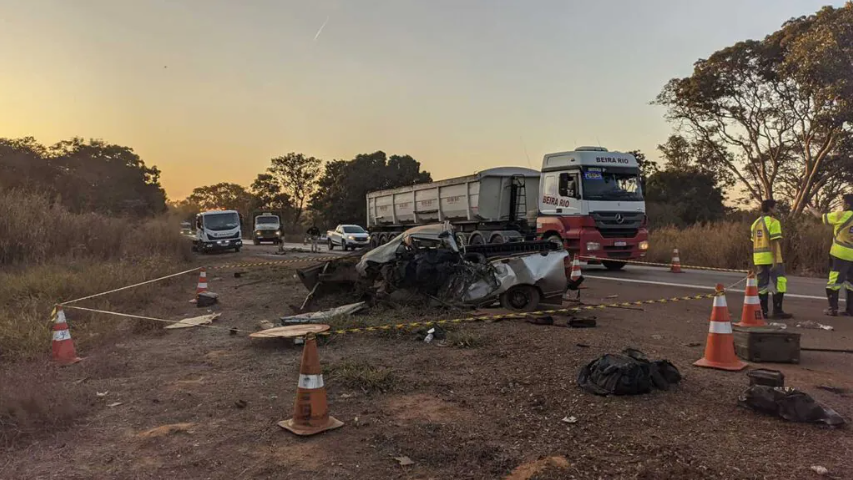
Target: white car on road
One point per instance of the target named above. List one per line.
(348, 237)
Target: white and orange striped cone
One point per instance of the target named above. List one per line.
(202, 284)
(720, 346)
(576, 270)
(311, 409)
(675, 266)
(752, 315)
(63, 349)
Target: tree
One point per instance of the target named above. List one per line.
(221, 196)
(296, 176)
(92, 176)
(269, 193)
(647, 167)
(774, 113)
(343, 186)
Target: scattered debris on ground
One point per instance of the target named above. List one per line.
(628, 373)
(766, 377)
(814, 325)
(206, 299)
(788, 403)
(323, 314)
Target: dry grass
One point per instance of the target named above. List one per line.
(32, 403)
(464, 339)
(362, 376)
(49, 255)
(726, 244)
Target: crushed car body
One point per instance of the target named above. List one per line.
(427, 261)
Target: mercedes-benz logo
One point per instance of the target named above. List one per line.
(619, 218)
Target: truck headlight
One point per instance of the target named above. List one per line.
(593, 246)
(258, 233)
(644, 245)
(278, 233)
(350, 237)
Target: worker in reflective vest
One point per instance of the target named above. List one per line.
(766, 238)
(841, 272)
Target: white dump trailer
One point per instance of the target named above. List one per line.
(491, 206)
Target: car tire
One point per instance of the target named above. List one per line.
(237, 249)
(521, 298)
(613, 266)
(256, 242)
(331, 246)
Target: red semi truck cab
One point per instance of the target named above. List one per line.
(591, 201)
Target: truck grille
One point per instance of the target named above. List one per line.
(228, 237)
(618, 224)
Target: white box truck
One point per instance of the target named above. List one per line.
(218, 230)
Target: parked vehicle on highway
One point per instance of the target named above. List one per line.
(267, 228)
(589, 200)
(348, 237)
(218, 230)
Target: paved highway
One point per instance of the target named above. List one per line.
(798, 287)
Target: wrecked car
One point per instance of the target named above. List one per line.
(427, 260)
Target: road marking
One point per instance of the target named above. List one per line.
(698, 287)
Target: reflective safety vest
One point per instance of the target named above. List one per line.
(764, 230)
(842, 242)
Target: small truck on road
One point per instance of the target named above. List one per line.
(348, 237)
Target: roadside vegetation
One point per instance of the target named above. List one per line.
(49, 254)
(725, 244)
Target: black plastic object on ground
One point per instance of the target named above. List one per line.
(206, 299)
(575, 322)
(790, 404)
(765, 376)
(628, 373)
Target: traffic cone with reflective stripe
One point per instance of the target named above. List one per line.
(202, 284)
(576, 270)
(720, 346)
(310, 411)
(751, 316)
(63, 347)
(675, 266)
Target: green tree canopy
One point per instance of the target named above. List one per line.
(775, 114)
(343, 186)
(85, 176)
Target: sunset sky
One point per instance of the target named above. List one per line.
(209, 90)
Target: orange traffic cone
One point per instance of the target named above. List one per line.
(310, 411)
(720, 347)
(675, 267)
(63, 347)
(576, 270)
(751, 316)
(202, 284)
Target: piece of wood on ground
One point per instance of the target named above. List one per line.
(195, 321)
(291, 331)
(164, 430)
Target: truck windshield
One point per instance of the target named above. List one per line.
(353, 229)
(221, 221)
(267, 220)
(601, 184)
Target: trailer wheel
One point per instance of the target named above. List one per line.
(476, 239)
(613, 266)
(521, 298)
(497, 240)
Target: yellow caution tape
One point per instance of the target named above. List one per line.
(667, 265)
(276, 262)
(504, 316)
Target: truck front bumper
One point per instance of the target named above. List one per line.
(221, 245)
(593, 244)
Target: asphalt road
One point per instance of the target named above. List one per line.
(798, 287)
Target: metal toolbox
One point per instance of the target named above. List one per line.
(763, 344)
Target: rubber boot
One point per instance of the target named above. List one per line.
(763, 298)
(778, 313)
(848, 310)
(832, 296)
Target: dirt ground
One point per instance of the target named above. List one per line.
(202, 403)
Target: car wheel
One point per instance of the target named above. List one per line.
(613, 266)
(521, 298)
(331, 245)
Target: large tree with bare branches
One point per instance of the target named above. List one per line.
(776, 114)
